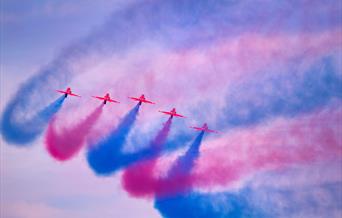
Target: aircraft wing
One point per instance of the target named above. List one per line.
(172, 114)
(101, 98)
(165, 112)
(135, 99)
(197, 128)
(150, 102)
(213, 131)
(72, 94)
(178, 115)
(111, 100)
(203, 129)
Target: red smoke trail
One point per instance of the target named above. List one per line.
(68, 142)
(160, 139)
(139, 180)
(295, 142)
(145, 168)
(288, 142)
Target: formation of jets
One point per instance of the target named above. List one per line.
(141, 99)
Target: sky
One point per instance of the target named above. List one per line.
(265, 74)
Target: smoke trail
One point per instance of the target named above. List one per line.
(310, 192)
(201, 205)
(103, 156)
(300, 195)
(185, 163)
(285, 95)
(161, 137)
(178, 179)
(302, 141)
(22, 132)
(143, 170)
(66, 144)
(139, 180)
(104, 164)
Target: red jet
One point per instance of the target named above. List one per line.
(173, 113)
(106, 98)
(67, 92)
(141, 99)
(203, 128)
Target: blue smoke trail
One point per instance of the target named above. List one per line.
(177, 180)
(184, 164)
(263, 196)
(107, 156)
(23, 132)
(218, 205)
(256, 202)
(315, 89)
(103, 156)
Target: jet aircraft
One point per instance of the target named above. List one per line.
(172, 113)
(203, 128)
(68, 92)
(106, 98)
(141, 100)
